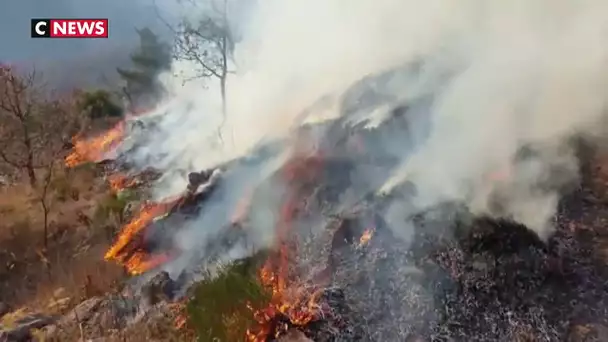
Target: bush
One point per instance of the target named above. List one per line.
(218, 310)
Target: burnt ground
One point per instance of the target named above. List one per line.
(459, 278)
(471, 279)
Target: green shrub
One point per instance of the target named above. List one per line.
(218, 310)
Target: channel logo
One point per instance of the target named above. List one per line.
(69, 28)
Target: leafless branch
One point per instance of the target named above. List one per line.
(12, 163)
(44, 200)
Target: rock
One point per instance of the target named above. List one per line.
(113, 313)
(160, 288)
(82, 311)
(95, 316)
(21, 330)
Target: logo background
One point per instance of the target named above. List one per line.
(46, 29)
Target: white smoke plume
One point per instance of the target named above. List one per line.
(524, 74)
(534, 74)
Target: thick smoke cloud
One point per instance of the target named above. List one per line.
(512, 82)
(534, 74)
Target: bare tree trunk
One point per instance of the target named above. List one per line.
(223, 79)
(45, 212)
(224, 70)
(29, 162)
(44, 204)
(30, 170)
(223, 93)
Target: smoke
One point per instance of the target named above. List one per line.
(511, 81)
(535, 74)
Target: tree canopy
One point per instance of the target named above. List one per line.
(153, 56)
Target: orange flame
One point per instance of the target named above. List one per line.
(139, 262)
(119, 182)
(366, 236)
(93, 149)
(296, 303)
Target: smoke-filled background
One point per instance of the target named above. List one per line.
(511, 83)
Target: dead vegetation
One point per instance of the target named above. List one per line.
(49, 253)
(64, 255)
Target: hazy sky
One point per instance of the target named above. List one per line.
(124, 16)
(68, 63)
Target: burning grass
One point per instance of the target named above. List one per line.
(138, 262)
(120, 182)
(26, 268)
(94, 149)
(441, 287)
(221, 305)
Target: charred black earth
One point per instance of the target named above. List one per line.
(470, 279)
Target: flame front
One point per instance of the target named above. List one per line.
(119, 182)
(291, 303)
(139, 262)
(94, 149)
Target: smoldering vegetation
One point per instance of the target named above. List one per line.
(462, 156)
(426, 274)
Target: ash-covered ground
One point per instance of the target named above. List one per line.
(452, 276)
(461, 278)
(465, 278)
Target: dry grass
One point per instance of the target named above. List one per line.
(73, 261)
(159, 330)
(71, 269)
(69, 283)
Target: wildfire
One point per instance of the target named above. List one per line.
(178, 310)
(94, 149)
(366, 236)
(139, 262)
(291, 303)
(119, 182)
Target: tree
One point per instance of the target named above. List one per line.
(209, 43)
(98, 104)
(153, 57)
(33, 127)
(44, 201)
